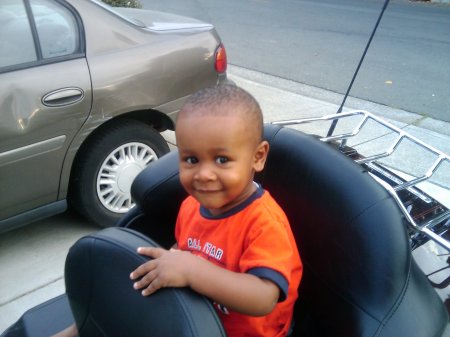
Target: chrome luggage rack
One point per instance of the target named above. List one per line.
(427, 217)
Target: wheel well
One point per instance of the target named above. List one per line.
(156, 119)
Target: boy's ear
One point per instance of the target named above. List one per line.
(260, 157)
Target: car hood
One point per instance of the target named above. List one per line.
(160, 21)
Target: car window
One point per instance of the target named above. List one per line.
(17, 44)
(56, 28)
(55, 31)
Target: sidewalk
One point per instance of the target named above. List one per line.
(281, 98)
(22, 288)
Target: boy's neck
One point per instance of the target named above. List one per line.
(257, 193)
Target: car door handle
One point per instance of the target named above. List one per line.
(61, 97)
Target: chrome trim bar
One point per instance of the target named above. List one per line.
(411, 189)
(31, 150)
(436, 220)
(433, 168)
(365, 117)
(425, 229)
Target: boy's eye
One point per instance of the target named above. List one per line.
(191, 160)
(221, 160)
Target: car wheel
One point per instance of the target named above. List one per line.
(107, 166)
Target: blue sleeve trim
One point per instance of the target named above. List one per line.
(275, 277)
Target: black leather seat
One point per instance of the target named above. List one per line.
(359, 280)
(104, 303)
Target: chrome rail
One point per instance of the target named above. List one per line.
(432, 228)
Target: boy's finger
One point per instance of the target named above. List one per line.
(145, 281)
(142, 269)
(152, 287)
(151, 251)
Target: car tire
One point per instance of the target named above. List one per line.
(106, 167)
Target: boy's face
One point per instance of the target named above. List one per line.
(218, 159)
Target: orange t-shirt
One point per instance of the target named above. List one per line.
(254, 237)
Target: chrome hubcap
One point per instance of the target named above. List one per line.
(118, 172)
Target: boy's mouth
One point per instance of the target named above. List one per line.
(201, 190)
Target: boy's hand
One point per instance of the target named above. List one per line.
(168, 268)
(241, 292)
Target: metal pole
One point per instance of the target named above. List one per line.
(333, 125)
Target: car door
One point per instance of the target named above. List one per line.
(45, 97)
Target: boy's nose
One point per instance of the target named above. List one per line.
(205, 173)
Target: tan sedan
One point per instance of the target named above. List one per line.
(85, 91)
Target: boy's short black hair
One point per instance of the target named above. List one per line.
(226, 99)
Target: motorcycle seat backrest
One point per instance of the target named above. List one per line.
(105, 304)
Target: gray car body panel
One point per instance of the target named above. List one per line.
(128, 71)
(32, 149)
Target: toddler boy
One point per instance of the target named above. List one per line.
(234, 243)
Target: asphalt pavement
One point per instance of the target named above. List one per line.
(32, 258)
